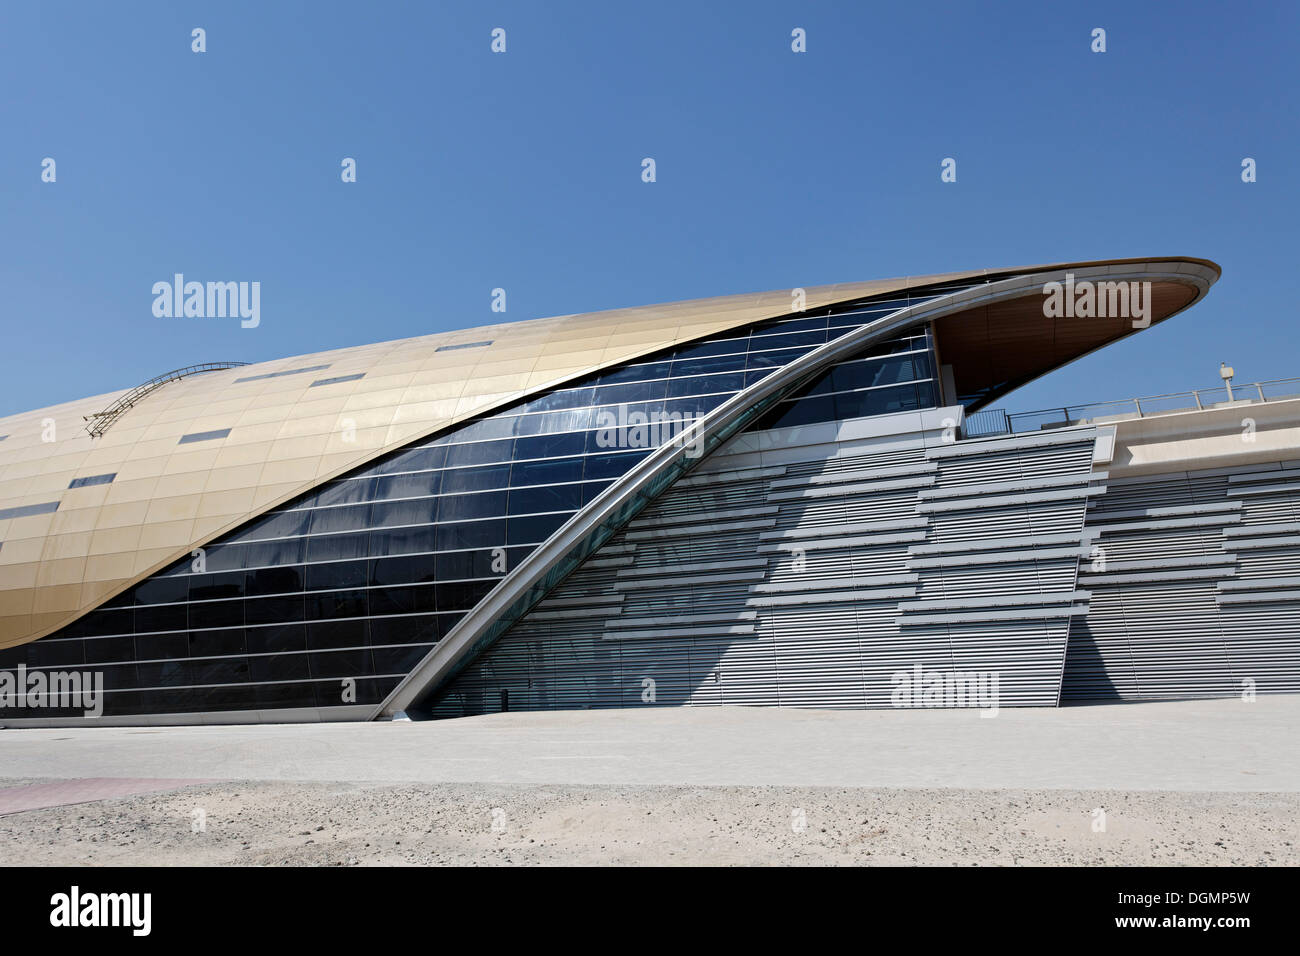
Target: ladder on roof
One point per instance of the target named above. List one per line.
(98, 422)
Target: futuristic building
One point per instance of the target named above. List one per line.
(789, 498)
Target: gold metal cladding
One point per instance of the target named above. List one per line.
(286, 437)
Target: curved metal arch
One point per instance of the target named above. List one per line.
(594, 525)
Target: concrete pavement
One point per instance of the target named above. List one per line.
(1224, 745)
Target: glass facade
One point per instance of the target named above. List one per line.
(331, 599)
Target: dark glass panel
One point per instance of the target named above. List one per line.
(535, 529)
(802, 412)
(336, 574)
(696, 406)
(410, 570)
(269, 640)
(401, 541)
(263, 554)
(460, 564)
(330, 634)
(56, 654)
(162, 617)
(398, 660)
(719, 363)
(220, 671)
(775, 358)
(423, 458)
(475, 479)
(342, 492)
(631, 392)
(352, 518)
(206, 587)
(545, 498)
(419, 485)
(464, 507)
(590, 489)
(216, 614)
(880, 401)
(280, 667)
(706, 384)
(807, 323)
(471, 534)
(273, 610)
(479, 453)
(273, 581)
(861, 315)
(785, 340)
(119, 677)
(281, 524)
(550, 446)
(409, 630)
(546, 472)
(341, 664)
(717, 347)
(411, 599)
(170, 590)
(462, 595)
(215, 643)
(925, 395)
(569, 398)
(111, 621)
(635, 373)
(547, 423)
(107, 650)
(328, 604)
(337, 547)
(612, 464)
(387, 514)
(172, 673)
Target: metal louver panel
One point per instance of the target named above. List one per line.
(1185, 606)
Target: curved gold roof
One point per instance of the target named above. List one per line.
(287, 436)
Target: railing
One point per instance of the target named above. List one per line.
(99, 422)
(995, 421)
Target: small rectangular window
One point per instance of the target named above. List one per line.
(203, 436)
(462, 345)
(23, 511)
(340, 378)
(92, 480)
(290, 371)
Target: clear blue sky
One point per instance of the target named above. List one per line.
(522, 170)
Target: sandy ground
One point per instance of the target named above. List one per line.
(289, 823)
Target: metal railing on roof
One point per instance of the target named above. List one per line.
(99, 422)
(996, 421)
